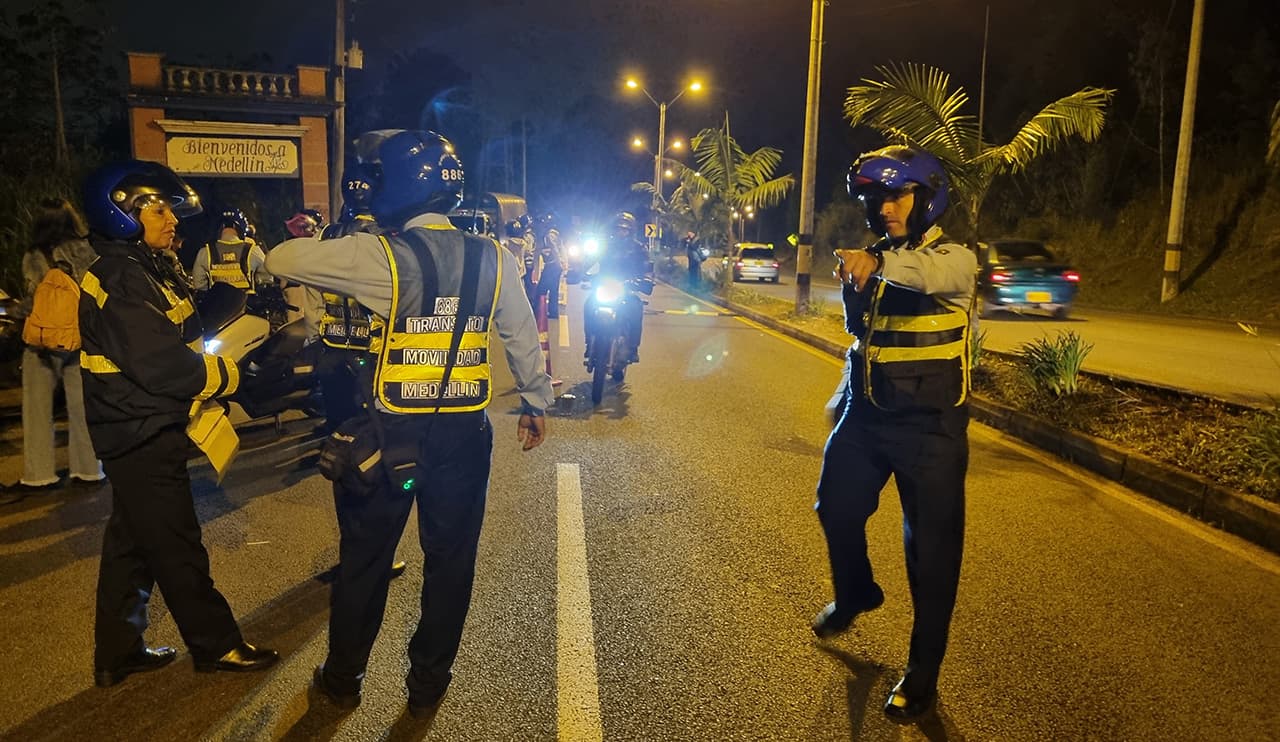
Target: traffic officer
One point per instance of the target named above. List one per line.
(343, 325)
(441, 293)
(142, 354)
(553, 262)
(233, 258)
(908, 301)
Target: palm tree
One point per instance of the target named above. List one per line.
(915, 104)
(729, 178)
(685, 211)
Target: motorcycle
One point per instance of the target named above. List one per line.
(608, 348)
(277, 368)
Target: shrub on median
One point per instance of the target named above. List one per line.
(1053, 365)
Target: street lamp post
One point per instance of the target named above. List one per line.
(633, 84)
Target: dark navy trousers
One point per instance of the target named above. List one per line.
(454, 455)
(927, 453)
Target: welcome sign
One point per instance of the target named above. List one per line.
(228, 157)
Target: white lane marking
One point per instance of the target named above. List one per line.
(577, 693)
(1232, 544)
(564, 329)
(1229, 543)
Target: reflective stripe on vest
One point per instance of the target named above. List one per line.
(914, 350)
(226, 263)
(416, 342)
(345, 324)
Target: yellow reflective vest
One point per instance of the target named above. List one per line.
(912, 348)
(229, 263)
(345, 324)
(414, 348)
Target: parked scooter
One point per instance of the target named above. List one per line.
(608, 348)
(277, 369)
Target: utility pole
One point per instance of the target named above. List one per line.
(1170, 283)
(657, 174)
(339, 112)
(804, 248)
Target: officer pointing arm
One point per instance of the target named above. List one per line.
(904, 411)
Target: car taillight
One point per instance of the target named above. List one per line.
(1071, 276)
(775, 264)
(999, 277)
(739, 263)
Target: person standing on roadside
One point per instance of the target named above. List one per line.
(58, 243)
(145, 373)
(426, 437)
(693, 254)
(551, 251)
(908, 301)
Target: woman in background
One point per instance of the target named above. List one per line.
(58, 238)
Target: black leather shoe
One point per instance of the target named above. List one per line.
(244, 658)
(832, 620)
(342, 692)
(425, 707)
(905, 709)
(144, 661)
(397, 569)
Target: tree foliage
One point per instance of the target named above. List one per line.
(730, 177)
(61, 37)
(916, 104)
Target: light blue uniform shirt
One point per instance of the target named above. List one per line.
(356, 265)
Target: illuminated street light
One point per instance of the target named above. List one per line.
(637, 142)
(634, 84)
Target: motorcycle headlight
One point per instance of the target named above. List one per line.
(591, 245)
(574, 251)
(609, 292)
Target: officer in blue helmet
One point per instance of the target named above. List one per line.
(142, 354)
(439, 293)
(340, 322)
(908, 300)
(358, 182)
(233, 258)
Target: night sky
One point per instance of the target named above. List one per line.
(541, 59)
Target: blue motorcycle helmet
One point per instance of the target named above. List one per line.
(357, 190)
(234, 219)
(419, 173)
(896, 168)
(114, 193)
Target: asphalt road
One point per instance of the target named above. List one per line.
(649, 574)
(1211, 357)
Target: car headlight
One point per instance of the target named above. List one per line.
(609, 292)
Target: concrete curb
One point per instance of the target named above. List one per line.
(1244, 515)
